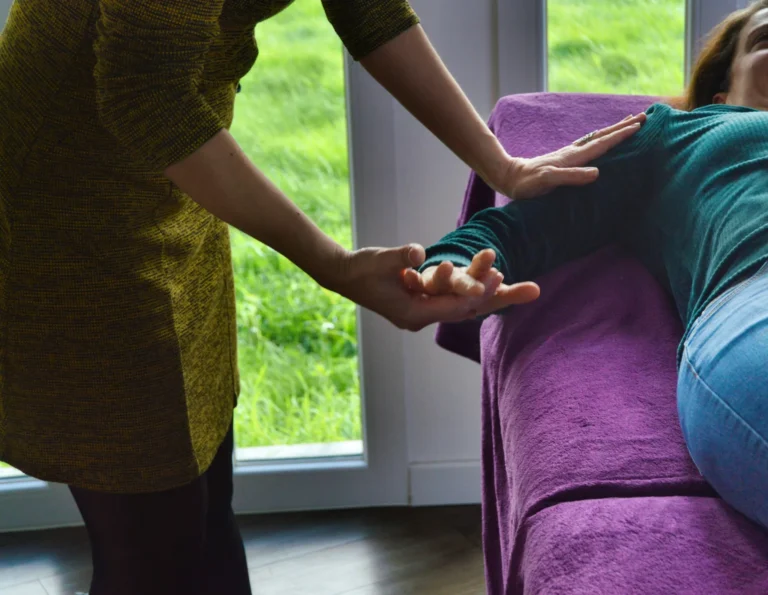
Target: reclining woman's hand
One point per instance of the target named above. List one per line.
(520, 178)
(479, 283)
(382, 280)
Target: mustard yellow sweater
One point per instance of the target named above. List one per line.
(118, 366)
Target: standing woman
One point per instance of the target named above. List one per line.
(118, 178)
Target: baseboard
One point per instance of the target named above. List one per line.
(28, 505)
(43, 505)
(445, 484)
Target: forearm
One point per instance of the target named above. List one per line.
(410, 69)
(502, 230)
(532, 237)
(221, 178)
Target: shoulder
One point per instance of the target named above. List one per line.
(659, 116)
(662, 110)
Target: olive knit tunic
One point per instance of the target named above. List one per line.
(118, 367)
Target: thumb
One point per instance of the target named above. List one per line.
(410, 256)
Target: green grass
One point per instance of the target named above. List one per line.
(297, 342)
(298, 355)
(616, 46)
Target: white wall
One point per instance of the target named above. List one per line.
(5, 6)
(442, 391)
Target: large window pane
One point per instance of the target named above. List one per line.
(616, 46)
(297, 342)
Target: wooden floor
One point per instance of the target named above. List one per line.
(382, 552)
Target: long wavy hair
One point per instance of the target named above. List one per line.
(712, 73)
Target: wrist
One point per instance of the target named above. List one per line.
(495, 165)
(332, 267)
(308, 247)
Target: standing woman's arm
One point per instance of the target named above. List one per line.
(150, 56)
(384, 35)
(150, 59)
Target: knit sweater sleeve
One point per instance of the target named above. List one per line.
(364, 25)
(150, 57)
(531, 237)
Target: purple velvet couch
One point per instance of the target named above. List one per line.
(587, 484)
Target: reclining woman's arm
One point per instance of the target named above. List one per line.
(533, 236)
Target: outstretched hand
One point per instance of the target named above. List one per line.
(384, 281)
(480, 283)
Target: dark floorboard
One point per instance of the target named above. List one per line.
(406, 551)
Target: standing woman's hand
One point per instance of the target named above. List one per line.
(374, 278)
(412, 71)
(520, 178)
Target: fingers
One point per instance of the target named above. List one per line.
(519, 293)
(571, 176)
(412, 280)
(602, 145)
(466, 286)
(410, 255)
(446, 278)
(571, 171)
(599, 146)
(428, 310)
(626, 122)
(491, 281)
(602, 141)
(442, 279)
(509, 295)
(481, 263)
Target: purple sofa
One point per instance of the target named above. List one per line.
(587, 484)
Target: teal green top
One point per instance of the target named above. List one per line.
(688, 194)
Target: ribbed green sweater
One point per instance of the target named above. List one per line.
(688, 194)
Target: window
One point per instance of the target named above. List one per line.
(300, 391)
(602, 46)
(616, 46)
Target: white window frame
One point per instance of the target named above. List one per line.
(522, 39)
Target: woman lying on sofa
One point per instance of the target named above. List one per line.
(688, 194)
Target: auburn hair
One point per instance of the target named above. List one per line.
(712, 72)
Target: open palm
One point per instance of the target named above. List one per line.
(528, 178)
(479, 283)
(383, 281)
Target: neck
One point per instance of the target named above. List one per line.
(758, 102)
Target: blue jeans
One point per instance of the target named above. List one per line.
(722, 395)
